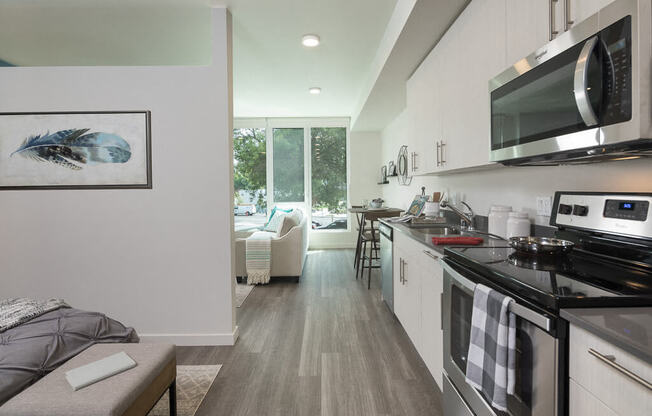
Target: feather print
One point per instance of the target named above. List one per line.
(73, 148)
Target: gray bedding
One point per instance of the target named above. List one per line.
(31, 350)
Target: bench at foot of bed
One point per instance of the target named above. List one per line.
(133, 392)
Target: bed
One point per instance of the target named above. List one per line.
(37, 337)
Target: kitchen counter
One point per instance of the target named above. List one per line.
(627, 328)
(426, 239)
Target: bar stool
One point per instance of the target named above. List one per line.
(368, 239)
(374, 250)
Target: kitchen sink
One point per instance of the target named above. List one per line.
(438, 230)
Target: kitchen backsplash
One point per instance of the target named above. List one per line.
(515, 186)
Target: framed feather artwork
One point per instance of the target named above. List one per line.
(75, 150)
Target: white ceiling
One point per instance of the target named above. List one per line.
(273, 71)
(369, 47)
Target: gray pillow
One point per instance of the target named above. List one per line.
(289, 222)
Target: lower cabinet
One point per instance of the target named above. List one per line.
(432, 335)
(418, 290)
(599, 380)
(407, 299)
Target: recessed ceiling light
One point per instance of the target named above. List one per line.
(315, 90)
(310, 40)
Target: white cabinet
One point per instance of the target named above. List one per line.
(423, 111)
(407, 305)
(527, 28)
(581, 9)
(584, 403)
(448, 95)
(480, 55)
(418, 289)
(432, 289)
(600, 387)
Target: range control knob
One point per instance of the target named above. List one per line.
(565, 209)
(580, 210)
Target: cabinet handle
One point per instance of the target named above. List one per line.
(442, 153)
(438, 150)
(441, 311)
(404, 264)
(400, 271)
(429, 254)
(551, 16)
(610, 360)
(568, 22)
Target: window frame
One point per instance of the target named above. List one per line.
(269, 124)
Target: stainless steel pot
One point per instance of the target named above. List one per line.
(540, 245)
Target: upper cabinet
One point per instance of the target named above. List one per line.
(581, 9)
(527, 27)
(448, 95)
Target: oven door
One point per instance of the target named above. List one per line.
(536, 352)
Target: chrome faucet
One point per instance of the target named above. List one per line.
(467, 220)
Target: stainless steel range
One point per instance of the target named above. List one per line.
(611, 265)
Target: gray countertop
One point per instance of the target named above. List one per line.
(426, 238)
(627, 328)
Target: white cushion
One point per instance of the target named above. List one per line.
(275, 222)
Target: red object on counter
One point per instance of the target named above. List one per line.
(462, 241)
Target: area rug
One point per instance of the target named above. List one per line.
(241, 293)
(193, 382)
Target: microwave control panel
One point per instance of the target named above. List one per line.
(617, 71)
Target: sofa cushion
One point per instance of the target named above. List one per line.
(276, 210)
(289, 222)
(297, 215)
(275, 222)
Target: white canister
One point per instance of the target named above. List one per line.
(498, 215)
(518, 225)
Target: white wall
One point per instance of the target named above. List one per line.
(92, 33)
(515, 186)
(160, 260)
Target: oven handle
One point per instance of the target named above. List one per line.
(517, 309)
(580, 83)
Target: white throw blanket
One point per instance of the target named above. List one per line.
(16, 311)
(259, 257)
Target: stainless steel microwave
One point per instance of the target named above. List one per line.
(583, 97)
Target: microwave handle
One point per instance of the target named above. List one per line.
(525, 313)
(580, 83)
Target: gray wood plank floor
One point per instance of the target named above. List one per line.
(324, 346)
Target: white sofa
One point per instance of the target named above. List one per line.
(288, 252)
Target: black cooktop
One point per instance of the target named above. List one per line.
(578, 279)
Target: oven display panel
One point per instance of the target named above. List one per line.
(626, 210)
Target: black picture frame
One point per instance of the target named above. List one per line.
(148, 153)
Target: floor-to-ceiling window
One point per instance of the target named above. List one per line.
(328, 177)
(249, 177)
(298, 163)
(288, 166)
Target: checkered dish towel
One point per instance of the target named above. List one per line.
(490, 365)
(259, 257)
